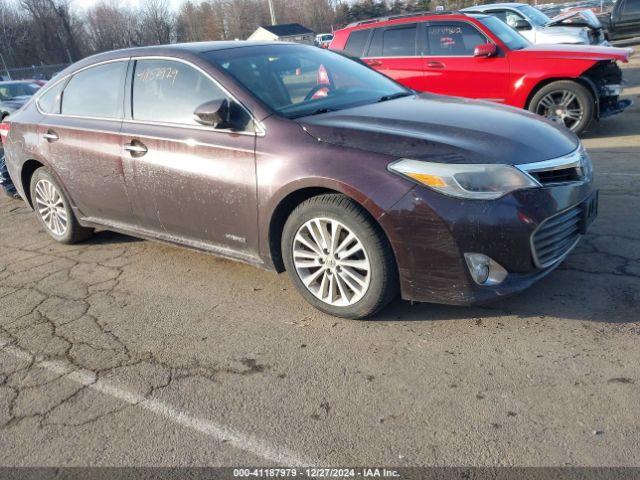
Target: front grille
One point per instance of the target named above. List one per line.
(573, 174)
(556, 236)
(575, 167)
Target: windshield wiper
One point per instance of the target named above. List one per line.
(394, 96)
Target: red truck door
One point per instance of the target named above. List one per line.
(450, 67)
(393, 50)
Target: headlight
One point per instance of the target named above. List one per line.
(480, 182)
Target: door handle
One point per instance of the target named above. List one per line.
(50, 136)
(435, 65)
(136, 148)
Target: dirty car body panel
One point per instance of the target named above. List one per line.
(230, 190)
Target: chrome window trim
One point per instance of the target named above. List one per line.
(260, 129)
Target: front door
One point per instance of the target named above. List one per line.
(194, 184)
(628, 19)
(450, 67)
(81, 140)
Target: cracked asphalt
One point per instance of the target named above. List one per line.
(122, 352)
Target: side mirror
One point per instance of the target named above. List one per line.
(522, 25)
(485, 50)
(213, 113)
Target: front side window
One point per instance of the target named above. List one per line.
(509, 17)
(355, 44)
(534, 15)
(168, 91)
(298, 80)
(453, 39)
(96, 92)
(399, 42)
(510, 37)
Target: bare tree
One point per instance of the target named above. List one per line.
(156, 23)
(109, 26)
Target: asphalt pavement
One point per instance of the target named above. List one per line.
(119, 352)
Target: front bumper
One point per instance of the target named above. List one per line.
(430, 233)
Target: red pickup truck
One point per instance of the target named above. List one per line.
(479, 56)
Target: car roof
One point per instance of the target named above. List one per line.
(493, 5)
(408, 17)
(179, 50)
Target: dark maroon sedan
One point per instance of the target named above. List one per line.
(292, 157)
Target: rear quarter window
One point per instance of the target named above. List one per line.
(49, 102)
(356, 42)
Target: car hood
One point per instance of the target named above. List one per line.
(15, 102)
(443, 129)
(578, 18)
(576, 52)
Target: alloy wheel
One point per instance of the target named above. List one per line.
(51, 208)
(331, 262)
(562, 106)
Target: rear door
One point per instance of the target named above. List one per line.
(627, 22)
(451, 68)
(194, 184)
(80, 135)
(394, 51)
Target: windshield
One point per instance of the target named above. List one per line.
(296, 80)
(510, 37)
(536, 16)
(21, 89)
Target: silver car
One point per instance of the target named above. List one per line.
(578, 27)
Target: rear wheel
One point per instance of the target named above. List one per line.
(565, 102)
(338, 258)
(54, 210)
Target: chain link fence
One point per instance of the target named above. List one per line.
(38, 72)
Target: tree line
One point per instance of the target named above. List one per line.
(45, 32)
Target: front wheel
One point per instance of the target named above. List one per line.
(338, 258)
(565, 102)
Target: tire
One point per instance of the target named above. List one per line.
(550, 102)
(53, 209)
(342, 285)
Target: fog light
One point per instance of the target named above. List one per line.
(484, 270)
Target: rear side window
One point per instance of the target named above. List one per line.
(96, 92)
(50, 101)
(453, 39)
(357, 40)
(399, 42)
(169, 91)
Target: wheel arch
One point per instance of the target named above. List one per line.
(26, 172)
(585, 82)
(292, 199)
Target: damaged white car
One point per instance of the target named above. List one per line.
(577, 27)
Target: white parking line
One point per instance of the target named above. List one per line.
(86, 378)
